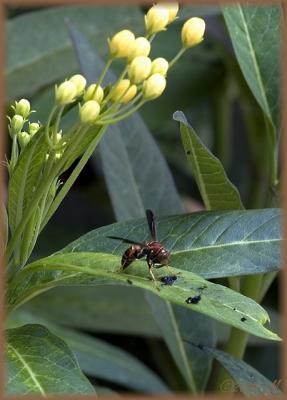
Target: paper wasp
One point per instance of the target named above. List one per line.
(154, 251)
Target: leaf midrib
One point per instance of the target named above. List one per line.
(256, 65)
(241, 243)
(29, 370)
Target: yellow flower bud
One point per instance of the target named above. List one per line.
(89, 111)
(66, 92)
(156, 19)
(24, 139)
(58, 155)
(192, 32)
(33, 128)
(123, 92)
(139, 69)
(153, 86)
(22, 108)
(159, 66)
(142, 48)
(122, 44)
(172, 10)
(80, 83)
(91, 94)
(16, 124)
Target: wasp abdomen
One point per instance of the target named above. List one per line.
(131, 254)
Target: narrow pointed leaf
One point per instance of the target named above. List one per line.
(248, 379)
(256, 36)
(216, 190)
(217, 301)
(38, 362)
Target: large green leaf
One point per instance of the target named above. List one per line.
(216, 190)
(248, 380)
(217, 301)
(256, 34)
(30, 65)
(210, 244)
(38, 362)
(119, 310)
(99, 358)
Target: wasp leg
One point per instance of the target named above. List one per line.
(150, 266)
(171, 272)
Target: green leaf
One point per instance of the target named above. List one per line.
(256, 35)
(25, 178)
(248, 379)
(41, 363)
(216, 190)
(99, 358)
(30, 65)
(120, 310)
(130, 157)
(210, 244)
(216, 301)
(175, 324)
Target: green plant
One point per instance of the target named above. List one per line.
(224, 242)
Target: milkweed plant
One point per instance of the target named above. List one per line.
(41, 358)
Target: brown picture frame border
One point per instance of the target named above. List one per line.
(283, 151)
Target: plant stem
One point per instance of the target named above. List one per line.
(120, 117)
(236, 345)
(70, 181)
(176, 58)
(104, 71)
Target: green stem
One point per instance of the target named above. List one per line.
(119, 118)
(57, 124)
(118, 80)
(237, 342)
(14, 155)
(104, 71)
(266, 282)
(176, 58)
(70, 181)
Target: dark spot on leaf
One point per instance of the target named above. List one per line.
(193, 300)
(188, 152)
(200, 346)
(243, 319)
(168, 280)
(234, 309)
(129, 282)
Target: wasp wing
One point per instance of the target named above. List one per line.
(124, 240)
(151, 224)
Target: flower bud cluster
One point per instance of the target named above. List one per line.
(22, 111)
(143, 78)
